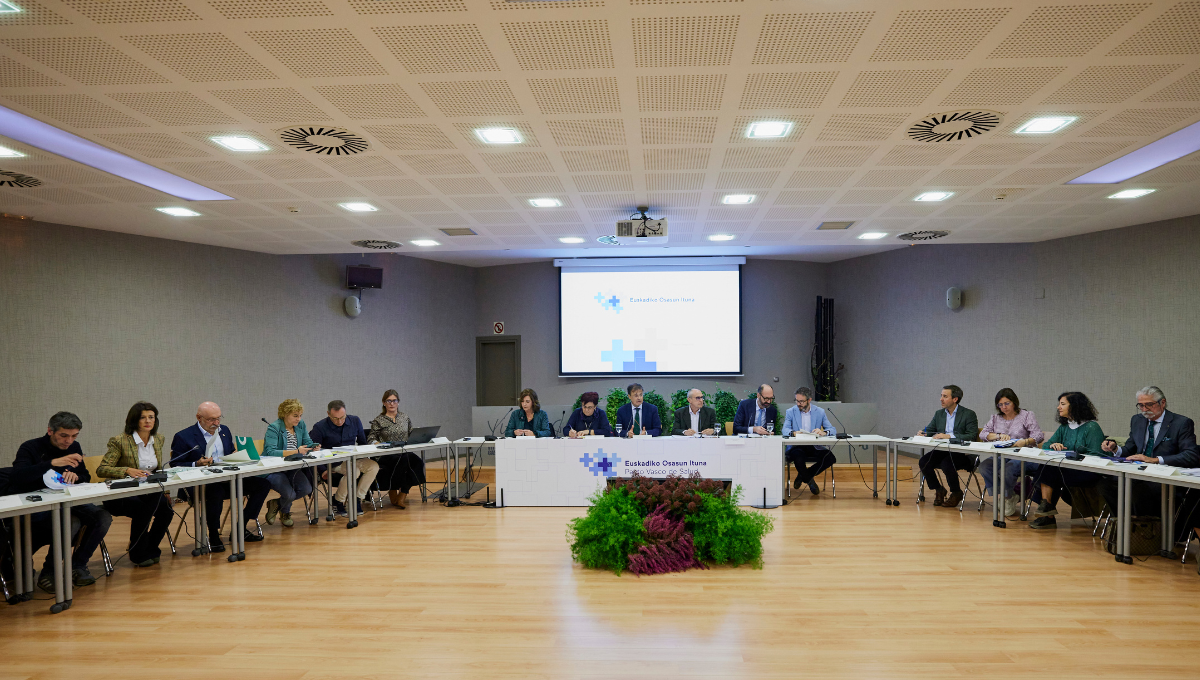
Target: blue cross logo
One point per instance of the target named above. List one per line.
(601, 464)
(611, 302)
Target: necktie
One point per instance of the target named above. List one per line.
(758, 419)
(1149, 438)
(637, 421)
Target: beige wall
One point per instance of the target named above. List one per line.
(1120, 312)
(94, 321)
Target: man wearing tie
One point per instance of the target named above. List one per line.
(807, 418)
(754, 414)
(638, 417)
(206, 443)
(1156, 436)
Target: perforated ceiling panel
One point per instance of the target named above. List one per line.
(448, 48)
(418, 80)
(201, 57)
(576, 95)
(1065, 30)
(665, 42)
(935, 35)
(810, 38)
(557, 45)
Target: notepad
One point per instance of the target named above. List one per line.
(10, 502)
(1161, 470)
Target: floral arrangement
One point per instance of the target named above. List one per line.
(656, 526)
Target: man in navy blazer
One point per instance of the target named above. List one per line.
(206, 443)
(1173, 443)
(638, 417)
(753, 414)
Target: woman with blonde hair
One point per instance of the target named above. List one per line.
(284, 437)
(398, 472)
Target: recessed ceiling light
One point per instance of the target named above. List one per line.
(6, 152)
(738, 199)
(1173, 146)
(358, 207)
(1132, 193)
(499, 135)
(767, 129)
(934, 196)
(7, 7)
(1045, 125)
(178, 212)
(425, 242)
(872, 235)
(720, 237)
(570, 239)
(240, 143)
(545, 202)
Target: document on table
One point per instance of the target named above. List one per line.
(1096, 461)
(271, 461)
(10, 501)
(86, 489)
(1162, 470)
(189, 474)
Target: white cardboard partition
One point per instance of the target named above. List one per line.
(564, 472)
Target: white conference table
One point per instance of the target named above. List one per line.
(1169, 477)
(541, 471)
(21, 510)
(832, 443)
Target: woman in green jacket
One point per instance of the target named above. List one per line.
(1077, 431)
(529, 420)
(284, 437)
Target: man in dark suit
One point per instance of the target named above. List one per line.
(638, 417)
(205, 443)
(1156, 436)
(952, 421)
(695, 418)
(754, 414)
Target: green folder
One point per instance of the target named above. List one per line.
(247, 444)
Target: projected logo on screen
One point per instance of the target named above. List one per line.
(627, 360)
(600, 463)
(609, 302)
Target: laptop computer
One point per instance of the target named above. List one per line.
(422, 435)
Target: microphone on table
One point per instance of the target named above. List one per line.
(184, 453)
(492, 437)
(842, 434)
(558, 428)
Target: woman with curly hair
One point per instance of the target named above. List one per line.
(1077, 431)
(587, 419)
(284, 437)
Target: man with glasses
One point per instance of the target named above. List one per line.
(638, 417)
(807, 418)
(755, 414)
(695, 418)
(341, 429)
(206, 443)
(1157, 436)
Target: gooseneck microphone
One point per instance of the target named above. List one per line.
(492, 437)
(558, 428)
(842, 434)
(184, 453)
(265, 420)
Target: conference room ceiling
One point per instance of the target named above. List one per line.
(617, 103)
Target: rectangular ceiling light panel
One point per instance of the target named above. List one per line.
(1172, 147)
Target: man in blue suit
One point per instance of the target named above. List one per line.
(754, 414)
(206, 443)
(638, 417)
(805, 417)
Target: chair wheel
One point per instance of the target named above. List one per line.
(313, 521)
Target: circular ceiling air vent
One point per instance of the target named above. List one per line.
(376, 244)
(16, 179)
(330, 141)
(953, 126)
(608, 240)
(922, 235)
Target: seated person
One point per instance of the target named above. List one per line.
(1077, 431)
(398, 472)
(205, 443)
(338, 428)
(638, 417)
(286, 436)
(808, 418)
(1156, 436)
(137, 453)
(952, 421)
(587, 419)
(754, 415)
(1020, 426)
(529, 420)
(695, 418)
(58, 450)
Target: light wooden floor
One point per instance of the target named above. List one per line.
(851, 589)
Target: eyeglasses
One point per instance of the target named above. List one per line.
(1146, 407)
(212, 420)
(766, 400)
(393, 400)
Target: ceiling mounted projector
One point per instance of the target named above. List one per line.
(640, 230)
